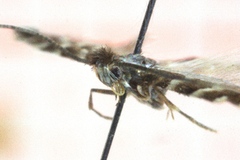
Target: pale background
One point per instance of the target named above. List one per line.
(44, 99)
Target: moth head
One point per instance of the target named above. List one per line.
(115, 74)
(101, 56)
(111, 75)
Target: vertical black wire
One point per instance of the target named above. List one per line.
(144, 27)
(122, 98)
(113, 126)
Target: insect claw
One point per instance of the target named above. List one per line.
(170, 111)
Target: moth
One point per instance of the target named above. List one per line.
(215, 79)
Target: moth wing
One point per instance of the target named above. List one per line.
(77, 47)
(224, 66)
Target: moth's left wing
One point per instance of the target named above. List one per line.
(225, 66)
(214, 79)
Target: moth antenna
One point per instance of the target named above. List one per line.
(65, 52)
(171, 107)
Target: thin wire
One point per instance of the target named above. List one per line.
(113, 126)
(144, 27)
(122, 98)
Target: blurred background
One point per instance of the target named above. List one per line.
(44, 99)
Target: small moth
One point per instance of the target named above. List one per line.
(215, 79)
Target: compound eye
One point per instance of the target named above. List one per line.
(116, 73)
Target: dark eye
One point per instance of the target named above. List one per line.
(115, 73)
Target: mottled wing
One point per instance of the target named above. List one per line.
(77, 47)
(224, 66)
(214, 79)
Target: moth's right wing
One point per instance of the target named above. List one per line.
(79, 48)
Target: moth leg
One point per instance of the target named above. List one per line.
(170, 111)
(90, 104)
(171, 107)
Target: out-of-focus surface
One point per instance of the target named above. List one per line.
(44, 99)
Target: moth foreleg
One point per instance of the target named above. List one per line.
(171, 107)
(90, 103)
